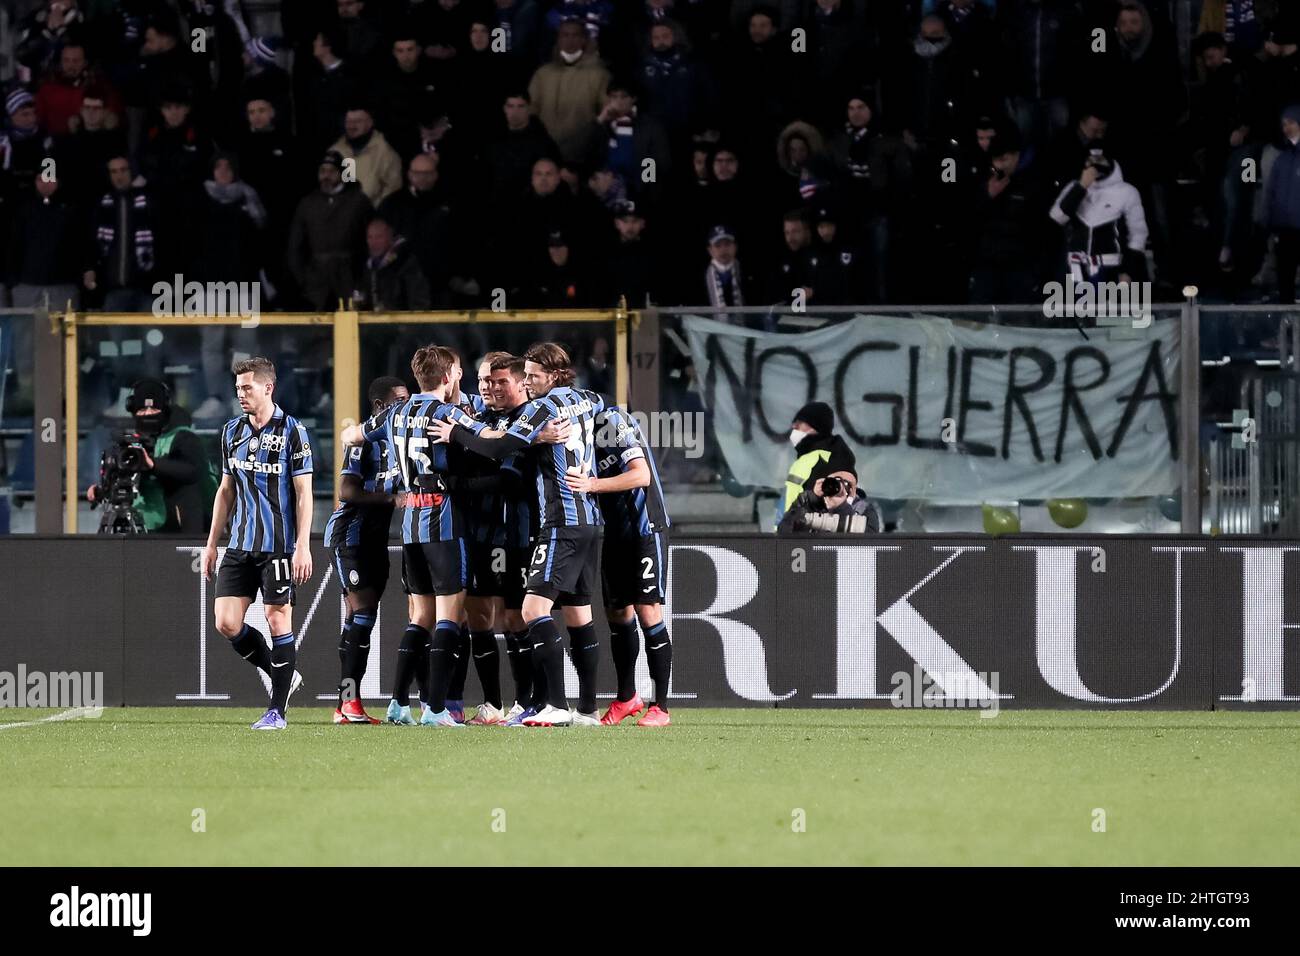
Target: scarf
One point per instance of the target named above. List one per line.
(927, 50)
(664, 64)
(723, 283)
(237, 192)
(859, 151)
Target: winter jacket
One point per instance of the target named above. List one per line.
(402, 100)
(568, 98)
(58, 100)
(510, 157)
(648, 141)
(124, 258)
(1282, 202)
(47, 243)
(875, 169)
(395, 283)
(1105, 221)
(677, 90)
(808, 454)
(808, 515)
(424, 222)
(324, 243)
(379, 168)
(1036, 35)
(223, 241)
(1009, 227)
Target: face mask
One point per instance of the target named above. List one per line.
(796, 436)
(571, 58)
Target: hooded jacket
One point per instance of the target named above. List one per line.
(567, 98)
(1105, 220)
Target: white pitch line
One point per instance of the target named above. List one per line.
(74, 714)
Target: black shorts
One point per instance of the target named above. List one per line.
(362, 566)
(565, 565)
(435, 567)
(633, 570)
(242, 573)
(498, 571)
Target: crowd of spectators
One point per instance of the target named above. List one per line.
(566, 153)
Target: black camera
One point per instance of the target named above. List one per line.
(832, 487)
(120, 469)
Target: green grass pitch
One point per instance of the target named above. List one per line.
(719, 787)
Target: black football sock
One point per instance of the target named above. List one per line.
(659, 655)
(519, 654)
(363, 622)
(539, 673)
(456, 689)
(585, 651)
(443, 659)
(625, 647)
(346, 691)
(487, 664)
(284, 654)
(548, 657)
(408, 658)
(251, 646)
(422, 664)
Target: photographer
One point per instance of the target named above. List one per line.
(163, 460)
(831, 503)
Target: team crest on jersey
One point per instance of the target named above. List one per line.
(252, 445)
(353, 578)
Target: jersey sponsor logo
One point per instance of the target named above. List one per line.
(260, 467)
(608, 461)
(271, 443)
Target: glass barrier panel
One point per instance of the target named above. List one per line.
(17, 423)
(1250, 420)
(195, 362)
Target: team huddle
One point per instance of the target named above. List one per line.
(503, 497)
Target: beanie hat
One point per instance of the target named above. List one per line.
(818, 415)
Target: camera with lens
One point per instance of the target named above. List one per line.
(120, 470)
(832, 487)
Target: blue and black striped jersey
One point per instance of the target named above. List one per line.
(557, 505)
(262, 463)
(429, 516)
(352, 525)
(521, 521)
(638, 511)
